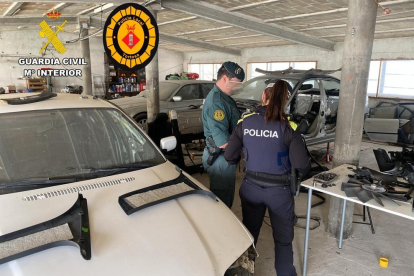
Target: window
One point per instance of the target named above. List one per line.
(384, 112)
(330, 85)
(391, 78)
(309, 84)
(206, 88)
(303, 65)
(405, 113)
(189, 92)
(206, 71)
(373, 77)
(252, 69)
(308, 98)
(276, 66)
(166, 89)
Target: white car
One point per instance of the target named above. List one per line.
(78, 171)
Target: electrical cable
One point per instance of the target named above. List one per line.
(84, 38)
(186, 147)
(66, 67)
(88, 36)
(171, 68)
(317, 219)
(98, 31)
(323, 199)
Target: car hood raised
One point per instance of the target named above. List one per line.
(192, 235)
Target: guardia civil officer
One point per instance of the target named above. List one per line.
(271, 147)
(220, 116)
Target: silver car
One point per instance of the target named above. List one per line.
(314, 97)
(174, 95)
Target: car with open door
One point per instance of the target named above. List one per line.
(313, 96)
(84, 191)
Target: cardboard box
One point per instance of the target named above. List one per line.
(10, 89)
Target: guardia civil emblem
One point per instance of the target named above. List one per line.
(219, 115)
(131, 36)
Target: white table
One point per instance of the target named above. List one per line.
(404, 210)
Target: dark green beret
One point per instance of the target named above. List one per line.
(234, 69)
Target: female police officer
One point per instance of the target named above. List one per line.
(271, 147)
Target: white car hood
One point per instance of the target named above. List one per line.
(192, 235)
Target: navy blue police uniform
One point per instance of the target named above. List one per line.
(270, 150)
(220, 116)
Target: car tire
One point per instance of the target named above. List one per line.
(142, 121)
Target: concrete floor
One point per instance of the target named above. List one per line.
(394, 237)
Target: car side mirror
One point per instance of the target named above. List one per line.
(303, 127)
(168, 143)
(177, 98)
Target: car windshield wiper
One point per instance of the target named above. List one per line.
(89, 173)
(26, 184)
(39, 181)
(115, 169)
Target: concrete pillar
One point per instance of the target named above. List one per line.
(86, 54)
(152, 79)
(352, 99)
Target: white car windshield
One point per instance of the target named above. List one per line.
(83, 143)
(253, 89)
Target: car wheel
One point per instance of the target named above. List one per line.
(142, 121)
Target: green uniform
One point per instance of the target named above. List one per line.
(220, 116)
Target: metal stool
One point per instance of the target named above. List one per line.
(363, 218)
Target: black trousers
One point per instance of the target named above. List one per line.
(281, 205)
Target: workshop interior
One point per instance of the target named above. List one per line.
(234, 137)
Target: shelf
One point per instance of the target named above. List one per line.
(36, 85)
(111, 68)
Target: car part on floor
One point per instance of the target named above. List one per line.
(156, 194)
(71, 228)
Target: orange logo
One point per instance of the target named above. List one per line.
(131, 36)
